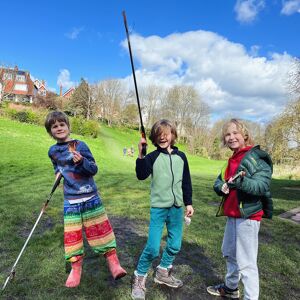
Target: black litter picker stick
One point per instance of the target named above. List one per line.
(13, 269)
(144, 146)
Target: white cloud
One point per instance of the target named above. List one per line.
(227, 77)
(51, 89)
(73, 34)
(64, 80)
(254, 50)
(290, 7)
(247, 10)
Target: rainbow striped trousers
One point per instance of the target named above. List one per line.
(91, 217)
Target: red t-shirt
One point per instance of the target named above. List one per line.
(231, 204)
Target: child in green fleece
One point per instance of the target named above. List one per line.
(171, 188)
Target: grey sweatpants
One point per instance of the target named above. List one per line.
(240, 247)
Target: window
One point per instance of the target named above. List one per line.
(20, 78)
(20, 87)
(7, 76)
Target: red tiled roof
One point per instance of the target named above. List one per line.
(10, 84)
(69, 92)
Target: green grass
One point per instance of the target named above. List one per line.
(26, 178)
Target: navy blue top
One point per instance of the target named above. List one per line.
(78, 178)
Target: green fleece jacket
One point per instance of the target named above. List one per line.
(171, 180)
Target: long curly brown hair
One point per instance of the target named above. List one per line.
(159, 127)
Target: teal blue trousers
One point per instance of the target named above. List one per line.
(173, 218)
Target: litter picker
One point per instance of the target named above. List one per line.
(144, 146)
(237, 175)
(13, 269)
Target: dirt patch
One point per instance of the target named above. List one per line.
(44, 224)
(191, 264)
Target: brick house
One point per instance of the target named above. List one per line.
(41, 87)
(16, 85)
(68, 93)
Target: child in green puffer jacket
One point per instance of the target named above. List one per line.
(245, 187)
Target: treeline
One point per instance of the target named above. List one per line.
(111, 102)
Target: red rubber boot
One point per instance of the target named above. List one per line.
(115, 269)
(75, 274)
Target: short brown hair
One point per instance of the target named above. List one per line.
(159, 127)
(241, 127)
(53, 117)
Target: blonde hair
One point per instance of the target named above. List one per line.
(241, 127)
(159, 127)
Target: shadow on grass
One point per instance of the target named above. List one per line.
(191, 265)
(285, 189)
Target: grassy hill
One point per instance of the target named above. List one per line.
(26, 178)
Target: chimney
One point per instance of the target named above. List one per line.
(43, 82)
(60, 91)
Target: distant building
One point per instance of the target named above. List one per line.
(16, 85)
(41, 87)
(68, 93)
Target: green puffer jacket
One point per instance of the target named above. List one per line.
(253, 189)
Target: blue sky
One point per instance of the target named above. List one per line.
(236, 53)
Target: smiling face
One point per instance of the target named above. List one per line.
(60, 132)
(163, 134)
(233, 138)
(165, 139)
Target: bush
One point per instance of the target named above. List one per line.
(79, 125)
(85, 127)
(91, 128)
(10, 112)
(202, 151)
(25, 116)
(32, 117)
(22, 116)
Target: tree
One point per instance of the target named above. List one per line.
(151, 96)
(283, 134)
(294, 79)
(190, 114)
(213, 142)
(183, 105)
(81, 102)
(49, 101)
(130, 115)
(108, 95)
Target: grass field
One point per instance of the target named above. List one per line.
(26, 178)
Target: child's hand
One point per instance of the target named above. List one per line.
(225, 188)
(77, 157)
(140, 146)
(230, 180)
(189, 211)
